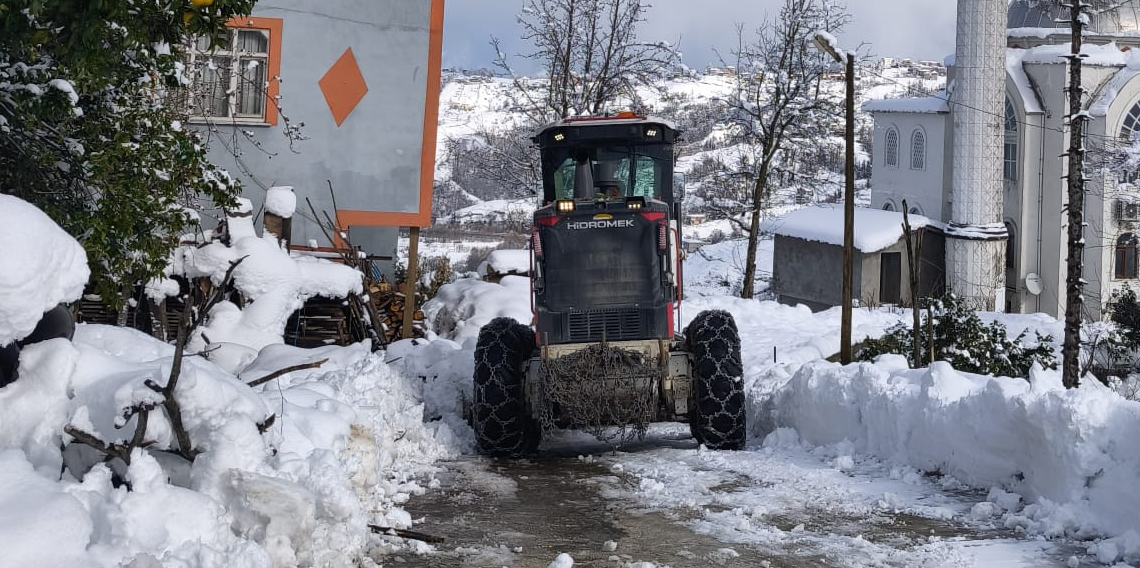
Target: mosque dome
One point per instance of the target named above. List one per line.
(1123, 17)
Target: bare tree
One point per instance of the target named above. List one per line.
(777, 104)
(494, 164)
(590, 53)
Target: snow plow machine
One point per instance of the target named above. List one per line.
(604, 354)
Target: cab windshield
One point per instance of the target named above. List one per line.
(616, 171)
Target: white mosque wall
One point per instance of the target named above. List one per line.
(922, 187)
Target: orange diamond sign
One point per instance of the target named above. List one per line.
(344, 87)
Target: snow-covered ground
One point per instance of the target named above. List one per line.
(842, 461)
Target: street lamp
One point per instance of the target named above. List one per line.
(827, 44)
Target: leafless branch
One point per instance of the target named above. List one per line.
(286, 370)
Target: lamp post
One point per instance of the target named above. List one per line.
(826, 43)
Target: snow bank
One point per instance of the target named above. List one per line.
(347, 446)
(41, 523)
(1067, 451)
(285, 474)
(461, 308)
(40, 267)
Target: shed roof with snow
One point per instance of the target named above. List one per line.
(875, 229)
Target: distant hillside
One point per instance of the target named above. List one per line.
(479, 114)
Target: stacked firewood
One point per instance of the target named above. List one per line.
(389, 303)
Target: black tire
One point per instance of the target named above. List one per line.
(499, 413)
(718, 418)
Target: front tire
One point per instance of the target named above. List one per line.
(718, 417)
(499, 413)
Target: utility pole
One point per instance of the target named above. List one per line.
(1074, 285)
(826, 43)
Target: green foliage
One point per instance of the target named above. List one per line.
(1125, 313)
(960, 338)
(91, 125)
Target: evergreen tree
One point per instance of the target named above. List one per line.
(960, 338)
(91, 124)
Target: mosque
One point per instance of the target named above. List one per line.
(986, 158)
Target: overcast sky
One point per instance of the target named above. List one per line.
(918, 29)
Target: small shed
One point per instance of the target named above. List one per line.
(807, 260)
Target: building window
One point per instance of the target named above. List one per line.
(888, 207)
(917, 150)
(237, 81)
(892, 151)
(1126, 256)
(1131, 124)
(1128, 133)
(1009, 169)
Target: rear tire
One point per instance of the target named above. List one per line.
(499, 413)
(718, 418)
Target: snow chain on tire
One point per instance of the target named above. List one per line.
(718, 419)
(499, 412)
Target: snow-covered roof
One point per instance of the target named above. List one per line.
(1106, 96)
(1013, 60)
(922, 105)
(1105, 55)
(875, 229)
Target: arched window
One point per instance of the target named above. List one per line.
(915, 211)
(1128, 132)
(888, 207)
(1131, 123)
(918, 150)
(1126, 256)
(1009, 171)
(892, 151)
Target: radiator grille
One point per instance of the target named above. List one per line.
(608, 325)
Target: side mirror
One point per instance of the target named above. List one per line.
(678, 186)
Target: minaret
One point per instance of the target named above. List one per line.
(976, 235)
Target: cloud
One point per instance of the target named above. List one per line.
(918, 29)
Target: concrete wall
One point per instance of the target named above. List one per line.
(380, 158)
(811, 273)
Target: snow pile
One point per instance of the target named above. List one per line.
(1070, 453)
(276, 283)
(506, 261)
(461, 308)
(42, 266)
(281, 201)
(290, 473)
(345, 448)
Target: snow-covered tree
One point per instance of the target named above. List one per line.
(91, 133)
(590, 54)
(778, 105)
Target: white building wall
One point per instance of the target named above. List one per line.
(922, 188)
